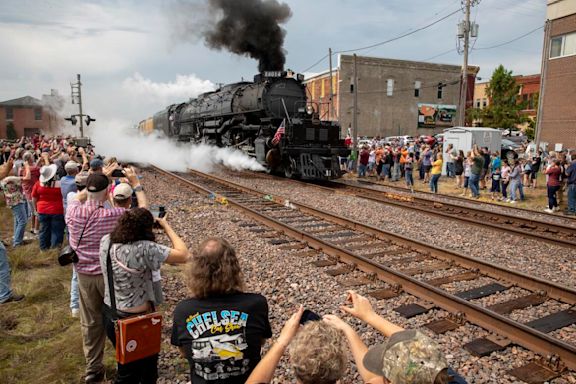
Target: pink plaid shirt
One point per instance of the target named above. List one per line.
(102, 222)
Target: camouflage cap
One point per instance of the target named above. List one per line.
(408, 357)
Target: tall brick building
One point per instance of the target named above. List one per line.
(27, 115)
(395, 97)
(558, 118)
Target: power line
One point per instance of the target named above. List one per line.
(511, 41)
(440, 54)
(384, 42)
(400, 36)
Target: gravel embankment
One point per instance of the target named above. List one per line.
(287, 280)
(531, 256)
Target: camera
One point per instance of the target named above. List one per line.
(308, 315)
(158, 213)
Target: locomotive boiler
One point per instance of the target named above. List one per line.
(269, 119)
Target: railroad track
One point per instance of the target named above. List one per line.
(344, 247)
(530, 228)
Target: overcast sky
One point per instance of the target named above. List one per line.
(132, 65)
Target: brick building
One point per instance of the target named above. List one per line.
(27, 115)
(395, 97)
(558, 117)
(528, 92)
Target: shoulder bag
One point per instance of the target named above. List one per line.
(67, 254)
(137, 336)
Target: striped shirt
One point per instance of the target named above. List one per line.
(101, 222)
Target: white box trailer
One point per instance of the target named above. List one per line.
(464, 138)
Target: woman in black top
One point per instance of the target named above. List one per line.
(459, 168)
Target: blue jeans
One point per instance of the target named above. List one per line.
(396, 172)
(51, 230)
(409, 178)
(572, 198)
(20, 213)
(474, 184)
(450, 170)
(74, 294)
(5, 291)
(552, 202)
(434, 183)
(385, 170)
(361, 170)
(516, 184)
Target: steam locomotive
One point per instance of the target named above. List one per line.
(269, 119)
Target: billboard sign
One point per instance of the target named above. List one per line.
(436, 115)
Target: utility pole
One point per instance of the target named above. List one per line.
(545, 54)
(355, 111)
(331, 113)
(77, 99)
(464, 89)
(77, 95)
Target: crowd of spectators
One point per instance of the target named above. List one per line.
(503, 178)
(79, 197)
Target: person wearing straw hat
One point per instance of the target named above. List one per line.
(47, 198)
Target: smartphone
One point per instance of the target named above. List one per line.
(308, 315)
(118, 173)
(158, 213)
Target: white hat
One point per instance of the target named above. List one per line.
(47, 172)
(71, 165)
(122, 191)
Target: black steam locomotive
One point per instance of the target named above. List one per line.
(268, 119)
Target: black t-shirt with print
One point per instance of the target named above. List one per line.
(222, 336)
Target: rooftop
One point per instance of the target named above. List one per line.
(26, 101)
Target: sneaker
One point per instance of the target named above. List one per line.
(75, 313)
(512, 201)
(13, 298)
(93, 378)
(548, 210)
(556, 209)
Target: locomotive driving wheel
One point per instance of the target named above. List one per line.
(290, 169)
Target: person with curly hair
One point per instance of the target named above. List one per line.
(134, 256)
(220, 328)
(317, 353)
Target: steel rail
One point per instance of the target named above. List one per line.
(519, 333)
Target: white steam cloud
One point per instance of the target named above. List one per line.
(183, 88)
(127, 145)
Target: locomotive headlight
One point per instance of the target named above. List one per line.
(309, 109)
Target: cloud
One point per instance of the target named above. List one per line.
(183, 88)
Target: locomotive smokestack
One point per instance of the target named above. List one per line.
(245, 27)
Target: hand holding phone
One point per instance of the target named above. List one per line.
(118, 173)
(308, 315)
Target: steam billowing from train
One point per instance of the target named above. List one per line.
(243, 27)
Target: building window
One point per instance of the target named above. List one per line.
(37, 113)
(389, 87)
(9, 113)
(564, 45)
(417, 85)
(440, 88)
(477, 103)
(484, 103)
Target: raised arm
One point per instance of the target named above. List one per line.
(264, 371)
(179, 252)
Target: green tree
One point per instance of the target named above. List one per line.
(504, 109)
(11, 132)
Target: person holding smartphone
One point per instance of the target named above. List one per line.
(134, 255)
(317, 351)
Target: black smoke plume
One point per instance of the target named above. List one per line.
(245, 27)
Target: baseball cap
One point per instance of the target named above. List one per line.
(96, 182)
(122, 191)
(408, 357)
(71, 165)
(81, 178)
(96, 164)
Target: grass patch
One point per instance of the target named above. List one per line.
(536, 199)
(39, 341)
